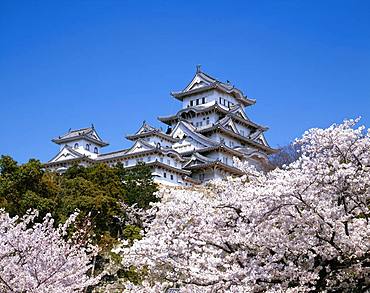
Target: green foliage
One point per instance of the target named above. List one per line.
(96, 191)
(140, 184)
(131, 233)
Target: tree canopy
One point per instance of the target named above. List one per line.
(97, 191)
(303, 228)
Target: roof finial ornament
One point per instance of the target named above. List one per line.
(92, 125)
(69, 130)
(144, 122)
(198, 67)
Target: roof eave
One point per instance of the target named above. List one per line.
(152, 133)
(266, 149)
(97, 142)
(231, 169)
(83, 158)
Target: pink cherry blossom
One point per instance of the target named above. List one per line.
(298, 229)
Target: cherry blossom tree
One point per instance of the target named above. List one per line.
(303, 228)
(36, 257)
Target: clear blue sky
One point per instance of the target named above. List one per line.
(113, 63)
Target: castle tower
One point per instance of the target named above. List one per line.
(200, 143)
(77, 146)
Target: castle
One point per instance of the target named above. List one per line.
(199, 144)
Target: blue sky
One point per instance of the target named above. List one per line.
(67, 64)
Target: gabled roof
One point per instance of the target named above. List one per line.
(190, 131)
(235, 112)
(147, 130)
(204, 82)
(227, 122)
(140, 146)
(197, 159)
(88, 133)
(254, 142)
(66, 153)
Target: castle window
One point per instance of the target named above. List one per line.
(203, 100)
(76, 145)
(87, 147)
(96, 151)
(168, 162)
(220, 100)
(201, 177)
(191, 103)
(126, 163)
(207, 121)
(165, 175)
(171, 177)
(149, 159)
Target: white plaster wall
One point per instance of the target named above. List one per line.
(154, 140)
(186, 145)
(243, 130)
(176, 181)
(212, 95)
(225, 98)
(213, 118)
(204, 176)
(218, 137)
(82, 147)
(220, 156)
(206, 95)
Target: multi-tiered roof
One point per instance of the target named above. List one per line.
(200, 143)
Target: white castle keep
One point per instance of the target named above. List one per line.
(200, 143)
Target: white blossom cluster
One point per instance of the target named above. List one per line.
(35, 257)
(298, 229)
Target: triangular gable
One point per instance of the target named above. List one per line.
(229, 124)
(94, 135)
(145, 128)
(256, 134)
(199, 80)
(140, 146)
(238, 111)
(262, 140)
(83, 133)
(197, 85)
(66, 153)
(197, 159)
(184, 130)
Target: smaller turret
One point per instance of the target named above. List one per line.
(85, 141)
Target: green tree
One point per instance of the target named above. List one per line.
(97, 191)
(138, 184)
